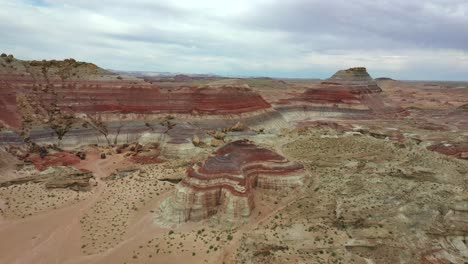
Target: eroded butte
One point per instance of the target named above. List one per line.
(225, 182)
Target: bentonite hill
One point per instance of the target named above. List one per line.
(101, 167)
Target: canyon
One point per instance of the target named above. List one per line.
(98, 166)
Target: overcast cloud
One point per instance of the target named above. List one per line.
(404, 39)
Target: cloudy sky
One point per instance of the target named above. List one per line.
(404, 39)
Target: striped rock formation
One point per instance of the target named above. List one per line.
(347, 92)
(84, 88)
(46, 101)
(225, 183)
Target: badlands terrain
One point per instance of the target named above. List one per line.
(105, 167)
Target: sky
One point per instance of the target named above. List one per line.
(401, 39)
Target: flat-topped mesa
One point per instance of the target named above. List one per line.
(352, 74)
(81, 87)
(355, 79)
(225, 182)
(47, 101)
(84, 88)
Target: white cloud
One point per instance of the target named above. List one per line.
(400, 39)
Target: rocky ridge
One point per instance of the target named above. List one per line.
(58, 177)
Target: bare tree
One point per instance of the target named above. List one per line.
(97, 124)
(118, 133)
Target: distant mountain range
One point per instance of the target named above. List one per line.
(160, 74)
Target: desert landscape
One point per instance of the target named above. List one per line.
(99, 166)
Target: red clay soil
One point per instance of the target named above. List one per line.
(458, 150)
(56, 159)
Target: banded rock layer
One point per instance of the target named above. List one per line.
(79, 101)
(84, 88)
(351, 91)
(225, 182)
